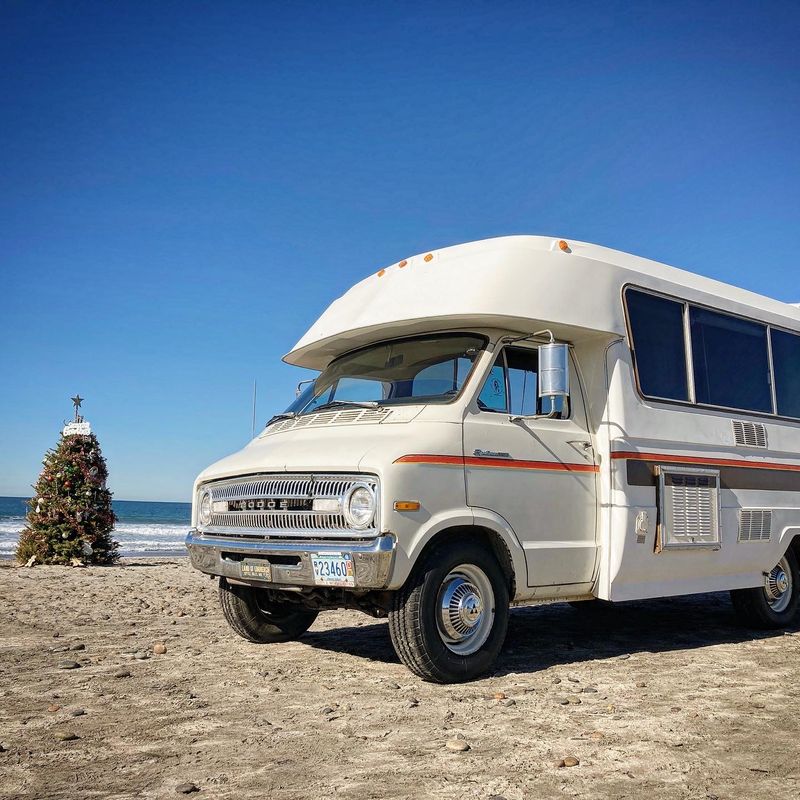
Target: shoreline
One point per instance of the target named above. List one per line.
(165, 554)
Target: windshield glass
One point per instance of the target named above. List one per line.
(421, 370)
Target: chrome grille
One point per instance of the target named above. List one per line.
(282, 505)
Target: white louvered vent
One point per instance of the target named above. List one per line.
(755, 525)
(689, 500)
(749, 434)
(350, 416)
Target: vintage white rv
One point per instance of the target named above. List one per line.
(516, 420)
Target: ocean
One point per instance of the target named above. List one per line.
(143, 528)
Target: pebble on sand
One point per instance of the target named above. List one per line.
(53, 708)
(569, 761)
(457, 746)
(499, 696)
(186, 788)
(66, 736)
(159, 648)
(77, 712)
(68, 665)
(122, 673)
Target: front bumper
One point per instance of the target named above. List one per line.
(290, 561)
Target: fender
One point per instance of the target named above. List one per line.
(408, 553)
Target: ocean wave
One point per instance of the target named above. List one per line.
(133, 538)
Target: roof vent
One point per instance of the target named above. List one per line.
(749, 434)
(755, 525)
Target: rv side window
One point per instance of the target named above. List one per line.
(731, 361)
(786, 362)
(658, 345)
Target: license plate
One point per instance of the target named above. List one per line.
(333, 569)
(256, 568)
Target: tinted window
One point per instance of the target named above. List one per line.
(786, 362)
(731, 365)
(522, 366)
(493, 394)
(658, 345)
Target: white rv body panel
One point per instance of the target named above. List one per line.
(574, 501)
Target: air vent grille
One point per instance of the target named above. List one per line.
(351, 416)
(755, 525)
(749, 434)
(689, 506)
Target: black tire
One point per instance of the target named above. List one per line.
(414, 622)
(255, 617)
(753, 605)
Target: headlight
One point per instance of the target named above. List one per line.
(359, 506)
(205, 508)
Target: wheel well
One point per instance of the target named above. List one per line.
(487, 537)
(795, 545)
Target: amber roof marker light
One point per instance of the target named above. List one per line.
(428, 257)
(562, 245)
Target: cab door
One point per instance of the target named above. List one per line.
(538, 473)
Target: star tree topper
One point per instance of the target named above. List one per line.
(78, 427)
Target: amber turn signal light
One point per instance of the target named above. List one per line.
(406, 505)
(564, 246)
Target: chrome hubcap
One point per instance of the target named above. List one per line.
(466, 609)
(778, 586)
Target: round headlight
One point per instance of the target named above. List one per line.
(205, 508)
(359, 507)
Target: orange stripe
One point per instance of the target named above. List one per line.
(716, 462)
(495, 463)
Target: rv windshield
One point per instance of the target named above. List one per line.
(421, 370)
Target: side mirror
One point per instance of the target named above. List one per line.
(554, 371)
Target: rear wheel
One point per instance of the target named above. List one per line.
(776, 603)
(256, 617)
(449, 621)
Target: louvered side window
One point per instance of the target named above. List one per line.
(658, 345)
(786, 363)
(731, 361)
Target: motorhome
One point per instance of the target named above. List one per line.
(511, 421)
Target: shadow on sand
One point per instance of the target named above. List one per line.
(546, 636)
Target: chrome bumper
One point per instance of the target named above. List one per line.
(291, 565)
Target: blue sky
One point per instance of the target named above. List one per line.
(184, 187)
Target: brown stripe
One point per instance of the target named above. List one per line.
(642, 473)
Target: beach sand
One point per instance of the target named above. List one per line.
(664, 699)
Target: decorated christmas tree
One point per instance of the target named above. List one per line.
(70, 518)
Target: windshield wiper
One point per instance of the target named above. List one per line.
(341, 403)
(284, 415)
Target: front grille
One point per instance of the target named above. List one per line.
(281, 505)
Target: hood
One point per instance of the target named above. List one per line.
(335, 448)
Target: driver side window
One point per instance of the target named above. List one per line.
(513, 385)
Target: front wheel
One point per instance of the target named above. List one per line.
(256, 617)
(449, 621)
(777, 602)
